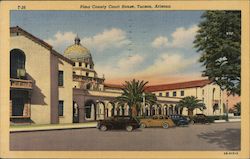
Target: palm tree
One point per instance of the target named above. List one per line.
(237, 108)
(133, 95)
(191, 103)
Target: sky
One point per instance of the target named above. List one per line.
(154, 46)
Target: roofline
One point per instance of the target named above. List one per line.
(17, 29)
(162, 89)
(54, 52)
(180, 82)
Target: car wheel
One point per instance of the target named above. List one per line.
(129, 128)
(165, 125)
(103, 128)
(143, 125)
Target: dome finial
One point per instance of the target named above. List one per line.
(77, 40)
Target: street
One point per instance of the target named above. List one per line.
(216, 136)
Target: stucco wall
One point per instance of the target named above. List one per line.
(198, 92)
(54, 89)
(38, 69)
(66, 92)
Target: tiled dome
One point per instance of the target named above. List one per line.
(77, 52)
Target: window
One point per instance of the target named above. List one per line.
(60, 78)
(174, 94)
(87, 74)
(91, 66)
(80, 64)
(86, 65)
(17, 64)
(167, 94)
(182, 93)
(155, 117)
(60, 108)
(74, 64)
(160, 94)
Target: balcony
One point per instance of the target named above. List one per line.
(20, 84)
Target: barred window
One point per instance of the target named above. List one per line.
(60, 78)
(167, 94)
(60, 108)
(182, 93)
(174, 94)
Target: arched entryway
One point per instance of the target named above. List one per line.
(75, 112)
(90, 110)
(100, 110)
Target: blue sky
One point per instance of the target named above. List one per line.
(150, 45)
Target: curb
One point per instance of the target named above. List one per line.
(16, 130)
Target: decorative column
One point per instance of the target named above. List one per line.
(81, 112)
(93, 112)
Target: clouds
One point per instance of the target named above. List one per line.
(130, 61)
(61, 40)
(160, 41)
(110, 49)
(181, 38)
(167, 64)
(122, 67)
(109, 38)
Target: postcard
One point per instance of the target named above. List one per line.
(124, 79)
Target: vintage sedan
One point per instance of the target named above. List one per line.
(157, 121)
(199, 118)
(118, 122)
(179, 120)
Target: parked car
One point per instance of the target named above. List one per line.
(118, 122)
(199, 118)
(179, 120)
(157, 121)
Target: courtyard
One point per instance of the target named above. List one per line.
(211, 137)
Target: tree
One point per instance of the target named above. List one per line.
(219, 42)
(133, 94)
(237, 108)
(191, 103)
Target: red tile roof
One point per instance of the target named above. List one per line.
(181, 85)
(171, 86)
(115, 86)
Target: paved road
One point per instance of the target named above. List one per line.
(217, 136)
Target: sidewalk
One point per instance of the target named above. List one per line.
(25, 128)
(229, 120)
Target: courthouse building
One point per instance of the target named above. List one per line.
(48, 87)
(40, 81)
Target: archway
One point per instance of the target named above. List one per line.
(166, 109)
(90, 110)
(100, 110)
(75, 113)
(110, 109)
